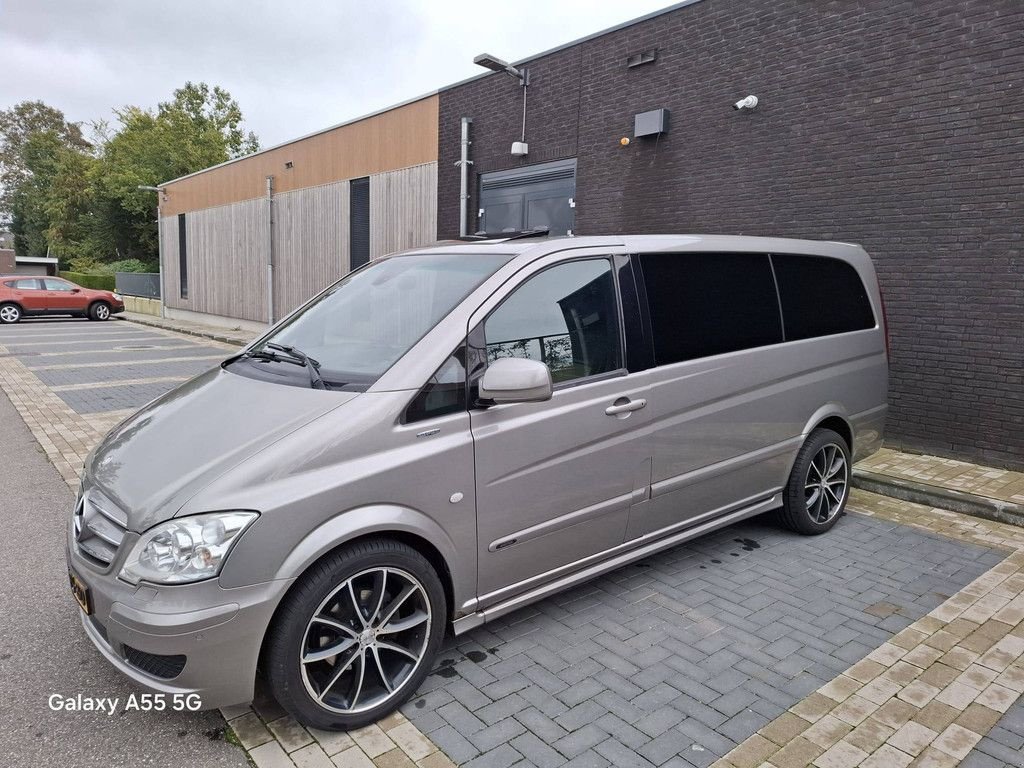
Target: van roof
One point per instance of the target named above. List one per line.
(537, 247)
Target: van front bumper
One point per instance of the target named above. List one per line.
(191, 639)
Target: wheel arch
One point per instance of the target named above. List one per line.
(834, 417)
(15, 303)
(402, 524)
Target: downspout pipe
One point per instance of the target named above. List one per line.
(464, 162)
(270, 250)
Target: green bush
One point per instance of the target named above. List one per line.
(96, 282)
(128, 265)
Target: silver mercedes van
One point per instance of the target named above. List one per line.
(450, 433)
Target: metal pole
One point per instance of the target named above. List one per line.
(160, 256)
(464, 163)
(270, 250)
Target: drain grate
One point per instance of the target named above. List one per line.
(135, 346)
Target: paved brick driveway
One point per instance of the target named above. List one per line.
(678, 659)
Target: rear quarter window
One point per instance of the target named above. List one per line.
(820, 296)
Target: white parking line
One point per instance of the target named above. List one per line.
(133, 362)
(119, 383)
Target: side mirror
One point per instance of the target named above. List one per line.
(76, 290)
(516, 380)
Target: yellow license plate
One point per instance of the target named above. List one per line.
(81, 593)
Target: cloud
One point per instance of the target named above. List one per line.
(295, 66)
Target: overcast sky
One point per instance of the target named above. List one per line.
(295, 66)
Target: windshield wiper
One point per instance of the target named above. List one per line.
(293, 356)
(313, 366)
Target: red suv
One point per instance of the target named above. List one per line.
(25, 296)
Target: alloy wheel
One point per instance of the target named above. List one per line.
(9, 314)
(365, 640)
(826, 484)
(102, 312)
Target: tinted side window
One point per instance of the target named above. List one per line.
(566, 317)
(820, 296)
(704, 304)
(58, 285)
(445, 392)
(24, 285)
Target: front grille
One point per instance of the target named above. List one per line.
(155, 664)
(99, 528)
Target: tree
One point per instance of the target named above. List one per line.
(199, 127)
(17, 126)
(80, 200)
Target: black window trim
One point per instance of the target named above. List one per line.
(619, 372)
(641, 290)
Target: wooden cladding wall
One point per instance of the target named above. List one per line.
(399, 138)
(310, 243)
(228, 246)
(227, 260)
(403, 209)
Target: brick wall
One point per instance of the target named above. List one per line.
(893, 124)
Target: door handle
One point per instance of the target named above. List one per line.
(625, 407)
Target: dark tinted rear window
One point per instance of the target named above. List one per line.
(820, 296)
(704, 304)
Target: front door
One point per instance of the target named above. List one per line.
(529, 198)
(555, 480)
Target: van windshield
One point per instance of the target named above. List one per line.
(363, 324)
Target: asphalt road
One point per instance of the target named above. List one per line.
(44, 651)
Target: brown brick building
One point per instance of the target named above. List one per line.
(891, 124)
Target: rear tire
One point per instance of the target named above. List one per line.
(9, 313)
(819, 485)
(99, 311)
(381, 608)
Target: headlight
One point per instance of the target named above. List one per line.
(185, 549)
(117, 296)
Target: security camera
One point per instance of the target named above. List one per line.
(748, 103)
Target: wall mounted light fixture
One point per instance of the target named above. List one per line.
(519, 148)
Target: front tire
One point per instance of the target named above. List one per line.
(9, 313)
(356, 635)
(819, 485)
(99, 311)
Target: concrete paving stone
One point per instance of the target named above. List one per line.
(250, 730)
(311, 756)
(411, 740)
(289, 733)
(500, 733)
(589, 759)
(270, 755)
(537, 751)
(353, 757)
(331, 742)
(500, 757)
(453, 744)
(372, 740)
(580, 740)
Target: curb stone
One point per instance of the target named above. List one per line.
(987, 508)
